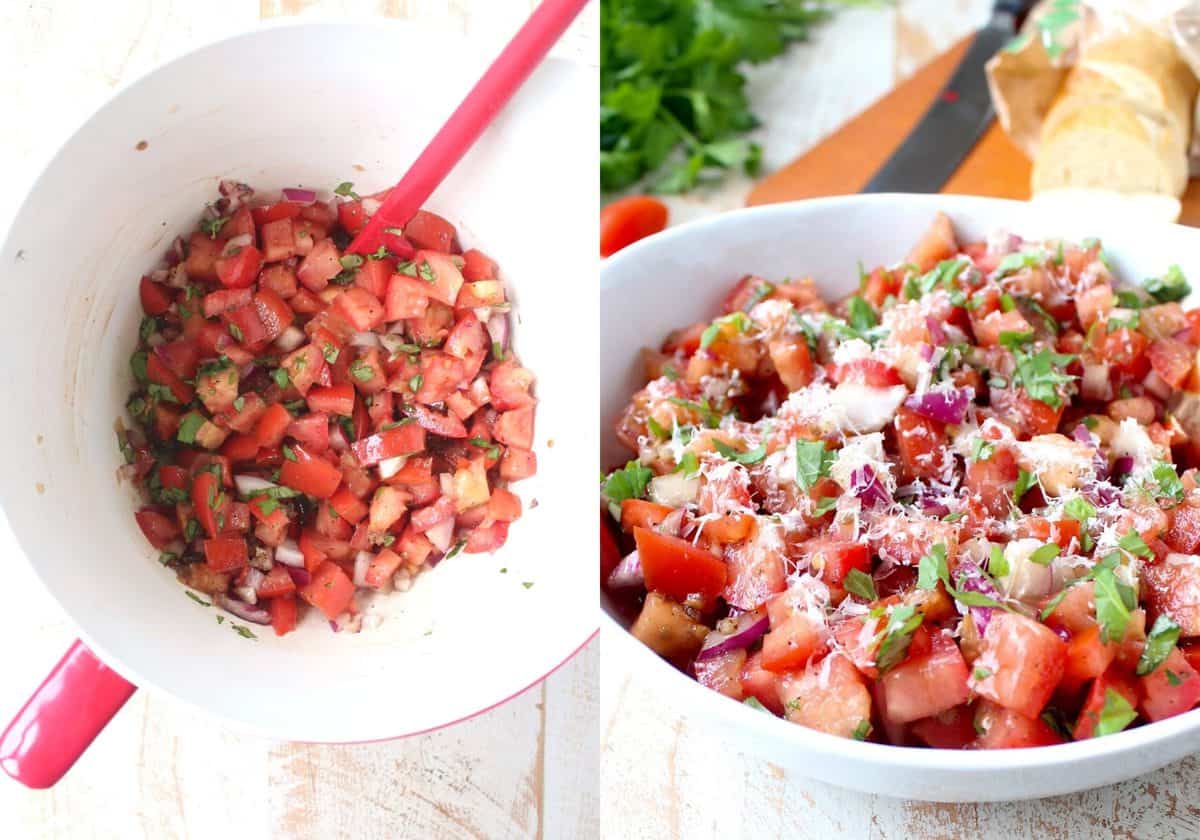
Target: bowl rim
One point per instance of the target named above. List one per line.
(707, 704)
(41, 166)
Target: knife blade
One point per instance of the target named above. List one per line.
(958, 117)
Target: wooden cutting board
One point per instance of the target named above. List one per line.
(846, 160)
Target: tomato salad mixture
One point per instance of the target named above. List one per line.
(956, 509)
(311, 422)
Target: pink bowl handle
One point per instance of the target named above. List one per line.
(65, 714)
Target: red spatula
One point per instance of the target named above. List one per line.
(476, 112)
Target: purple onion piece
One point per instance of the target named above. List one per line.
(497, 327)
(1082, 435)
(244, 611)
(300, 196)
(972, 579)
(750, 627)
(929, 507)
(935, 330)
(300, 575)
(942, 406)
(1122, 467)
(628, 573)
(867, 487)
(926, 352)
(1104, 493)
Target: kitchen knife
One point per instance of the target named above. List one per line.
(929, 155)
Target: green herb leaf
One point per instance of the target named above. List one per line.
(1041, 374)
(740, 323)
(1159, 644)
(362, 371)
(861, 731)
(1172, 286)
(425, 272)
(997, 562)
(824, 505)
(188, 426)
(197, 598)
(281, 377)
(752, 457)
(1112, 606)
(346, 188)
(858, 582)
(213, 226)
(1045, 555)
(1115, 716)
(753, 703)
(1025, 481)
(289, 453)
(629, 482)
(689, 465)
(813, 461)
(1079, 509)
(1134, 544)
(1013, 263)
(1169, 485)
(932, 568)
(862, 316)
(492, 450)
(897, 636)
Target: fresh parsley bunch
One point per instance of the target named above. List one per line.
(669, 81)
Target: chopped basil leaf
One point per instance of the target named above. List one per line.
(1159, 644)
(737, 320)
(897, 636)
(1115, 716)
(188, 426)
(655, 428)
(1025, 481)
(197, 598)
(351, 261)
(459, 546)
(281, 377)
(761, 291)
(239, 403)
(137, 363)
(1169, 485)
(381, 253)
(858, 582)
(243, 631)
(289, 453)
(1041, 374)
(629, 482)
(826, 504)
(213, 226)
(1015, 262)
(1012, 340)
(981, 450)
(1113, 605)
(997, 562)
(862, 730)
(981, 674)
(1172, 286)
(711, 418)
(415, 383)
(933, 567)
(361, 371)
(493, 451)
(753, 703)
(1045, 555)
(236, 332)
(862, 315)
(1134, 544)
(689, 465)
(752, 457)
(425, 271)
(1079, 509)
(813, 461)
(953, 517)
(346, 188)
(1173, 679)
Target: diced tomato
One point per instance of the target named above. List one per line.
(320, 266)
(373, 276)
(447, 279)
(241, 269)
(158, 373)
(1003, 728)
(515, 428)
(264, 215)
(310, 474)
(351, 216)
(431, 231)
(504, 506)
(278, 240)
(509, 385)
(360, 308)
(927, 685)
(793, 362)
(283, 615)
(1171, 360)
(1087, 658)
(206, 490)
(992, 480)
(830, 698)
(156, 298)
(468, 342)
(953, 729)
(202, 254)
(761, 684)
(991, 327)
(626, 220)
(224, 554)
(273, 313)
(1097, 699)
(936, 244)
(1183, 534)
(406, 297)
(478, 266)
(159, 528)
(272, 425)
(870, 372)
(795, 637)
(723, 673)
(414, 547)
(922, 445)
(486, 538)
(405, 439)
(1170, 689)
(387, 507)
(335, 399)
(330, 590)
(480, 293)
(239, 448)
(833, 558)
(303, 367)
(516, 464)
(1125, 349)
(1024, 661)
(311, 431)
(275, 583)
(280, 279)
(383, 566)
(676, 568)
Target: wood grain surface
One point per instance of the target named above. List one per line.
(668, 776)
(161, 770)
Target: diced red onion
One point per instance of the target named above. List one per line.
(1103, 493)
(247, 484)
(1094, 384)
(296, 196)
(159, 275)
(337, 439)
(942, 406)
(865, 485)
(926, 351)
(365, 339)
(441, 534)
(1156, 386)
(237, 193)
(1083, 435)
(935, 330)
(245, 370)
(479, 391)
(247, 612)
(930, 507)
(371, 206)
(497, 327)
(1184, 335)
(290, 339)
(248, 589)
(237, 243)
(628, 573)
(392, 342)
(175, 547)
(362, 562)
(300, 575)
(178, 278)
(334, 626)
(972, 579)
(672, 524)
(748, 629)
(288, 553)
(1122, 466)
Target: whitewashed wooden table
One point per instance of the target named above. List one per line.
(671, 779)
(161, 771)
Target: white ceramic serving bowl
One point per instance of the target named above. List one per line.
(679, 277)
(311, 105)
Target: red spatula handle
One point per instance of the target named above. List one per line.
(493, 90)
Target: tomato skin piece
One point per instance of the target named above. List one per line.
(835, 558)
(676, 568)
(486, 539)
(273, 312)
(159, 528)
(158, 373)
(794, 638)
(761, 684)
(283, 614)
(310, 474)
(516, 464)
(334, 399)
(870, 372)
(639, 513)
(205, 487)
(348, 506)
(515, 428)
(405, 439)
(478, 266)
(1163, 697)
(272, 425)
(225, 554)
(241, 269)
(155, 297)
(383, 566)
(627, 220)
(330, 590)
(926, 685)
(360, 308)
(1003, 728)
(430, 231)
(275, 583)
(311, 431)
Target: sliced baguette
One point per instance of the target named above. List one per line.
(1103, 204)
